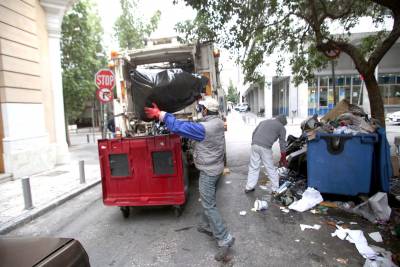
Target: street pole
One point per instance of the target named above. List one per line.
(334, 82)
(105, 111)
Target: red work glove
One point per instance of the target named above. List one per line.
(283, 162)
(152, 113)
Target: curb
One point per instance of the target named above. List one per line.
(36, 212)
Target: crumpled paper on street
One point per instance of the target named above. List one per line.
(358, 239)
(310, 198)
(306, 226)
(384, 258)
(375, 209)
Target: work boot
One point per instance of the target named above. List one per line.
(204, 230)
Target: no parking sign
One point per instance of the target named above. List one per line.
(104, 95)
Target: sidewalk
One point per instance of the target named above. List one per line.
(50, 188)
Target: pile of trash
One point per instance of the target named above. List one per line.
(345, 118)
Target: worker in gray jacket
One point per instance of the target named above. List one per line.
(208, 156)
(264, 136)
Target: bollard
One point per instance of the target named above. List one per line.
(26, 190)
(82, 171)
(88, 138)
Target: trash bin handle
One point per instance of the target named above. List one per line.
(369, 139)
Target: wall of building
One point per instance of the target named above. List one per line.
(25, 95)
(349, 85)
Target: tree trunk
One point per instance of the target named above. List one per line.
(375, 99)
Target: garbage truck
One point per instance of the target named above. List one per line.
(143, 164)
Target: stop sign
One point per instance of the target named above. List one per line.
(104, 78)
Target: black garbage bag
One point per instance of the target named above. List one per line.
(171, 89)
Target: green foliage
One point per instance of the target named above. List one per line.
(81, 34)
(233, 95)
(298, 29)
(196, 30)
(130, 28)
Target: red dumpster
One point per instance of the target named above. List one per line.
(143, 171)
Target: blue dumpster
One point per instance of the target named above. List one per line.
(340, 163)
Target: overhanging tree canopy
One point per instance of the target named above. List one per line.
(303, 29)
(130, 28)
(81, 35)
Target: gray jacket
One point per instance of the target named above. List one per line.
(208, 154)
(268, 131)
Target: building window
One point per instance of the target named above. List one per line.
(323, 96)
(389, 84)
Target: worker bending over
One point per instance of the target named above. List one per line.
(264, 136)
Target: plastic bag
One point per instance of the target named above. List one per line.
(171, 89)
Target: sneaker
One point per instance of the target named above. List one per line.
(228, 242)
(204, 230)
(222, 254)
(249, 190)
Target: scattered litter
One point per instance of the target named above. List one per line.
(243, 213)
(314, 211)
(375, 209)
(376, 236)
(342, 261)
(282, 189)
(353, 223)
(356, 237)
(384, 258)
(310, 198)
(263, 187)
(283, 171)
(340, 222)
(330, 223)
(305, 226)
(199, 199)
(312, 242)
(297, 240)
(328, 204)
(322, 210)
(184, 228)
(260, 205)
(285, 210)
(228, 182)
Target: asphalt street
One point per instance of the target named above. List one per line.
(153, 236)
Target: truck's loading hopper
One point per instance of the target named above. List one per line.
(171, 89)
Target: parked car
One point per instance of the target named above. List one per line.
(243, 108)
(394, 117)
(42, 251)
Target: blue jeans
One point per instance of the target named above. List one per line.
(211, 216)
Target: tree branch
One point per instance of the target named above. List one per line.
(328, 14)
(382, 49)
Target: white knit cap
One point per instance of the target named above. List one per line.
(210, 103)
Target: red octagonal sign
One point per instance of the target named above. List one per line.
(104, 78)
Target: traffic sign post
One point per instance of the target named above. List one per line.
(105, 82)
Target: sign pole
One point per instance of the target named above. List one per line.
(105, 82)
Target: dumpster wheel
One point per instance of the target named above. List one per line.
(125, 211)
(178, 209)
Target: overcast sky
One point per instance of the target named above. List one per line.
(109, 10)
(171, 14)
